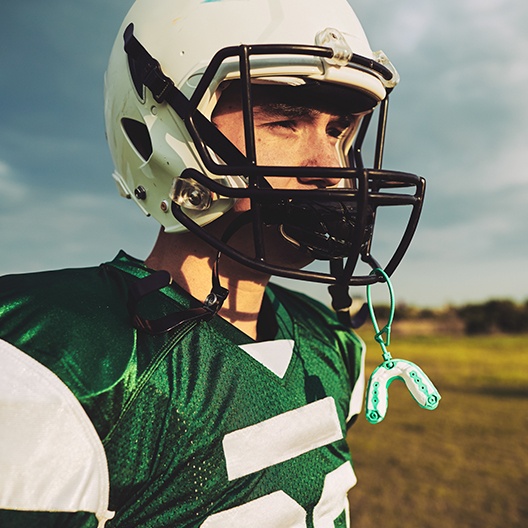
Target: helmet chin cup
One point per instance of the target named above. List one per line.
(324, 230)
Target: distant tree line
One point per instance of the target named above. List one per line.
(494, 316)
(489, 317)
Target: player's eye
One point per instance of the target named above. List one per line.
(336, 132)
(337, 129)
(286, 124)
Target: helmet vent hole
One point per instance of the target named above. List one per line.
(139, 136)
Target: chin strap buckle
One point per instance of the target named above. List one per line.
(155, 282)
(214, 301)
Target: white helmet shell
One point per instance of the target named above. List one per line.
(149, 142)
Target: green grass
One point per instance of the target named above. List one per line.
(463, 465)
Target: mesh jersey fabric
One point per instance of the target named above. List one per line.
(177, 412)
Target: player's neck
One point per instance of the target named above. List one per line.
(189, 261)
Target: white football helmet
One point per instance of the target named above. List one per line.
(169, 65)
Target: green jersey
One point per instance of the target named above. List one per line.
(199, 426)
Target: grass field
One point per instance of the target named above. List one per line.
(463, 465)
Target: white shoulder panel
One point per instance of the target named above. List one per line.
(358, 393)
(51, 458)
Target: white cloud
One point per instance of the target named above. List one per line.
(11, 191)
(409, 28)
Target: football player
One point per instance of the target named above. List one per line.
(186, 390)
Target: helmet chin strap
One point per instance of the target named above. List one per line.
(160, 279)
(341, 300)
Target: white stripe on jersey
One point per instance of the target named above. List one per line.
(281, 438)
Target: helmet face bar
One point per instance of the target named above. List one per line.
(334, 213)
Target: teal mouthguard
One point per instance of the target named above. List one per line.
(417, 382)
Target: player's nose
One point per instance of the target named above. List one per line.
(322, 153)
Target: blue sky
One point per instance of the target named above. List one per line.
(459, 117)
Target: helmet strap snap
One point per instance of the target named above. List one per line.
(161, 279)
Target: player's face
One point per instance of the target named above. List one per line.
(292, 131)
(287, 132)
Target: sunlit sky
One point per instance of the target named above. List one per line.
(458, 118)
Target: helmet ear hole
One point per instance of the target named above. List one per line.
(139, 136)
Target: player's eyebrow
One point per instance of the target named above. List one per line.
(285, 110)
(291, 111)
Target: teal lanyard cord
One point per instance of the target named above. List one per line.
(417, 382)
(386, 330)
